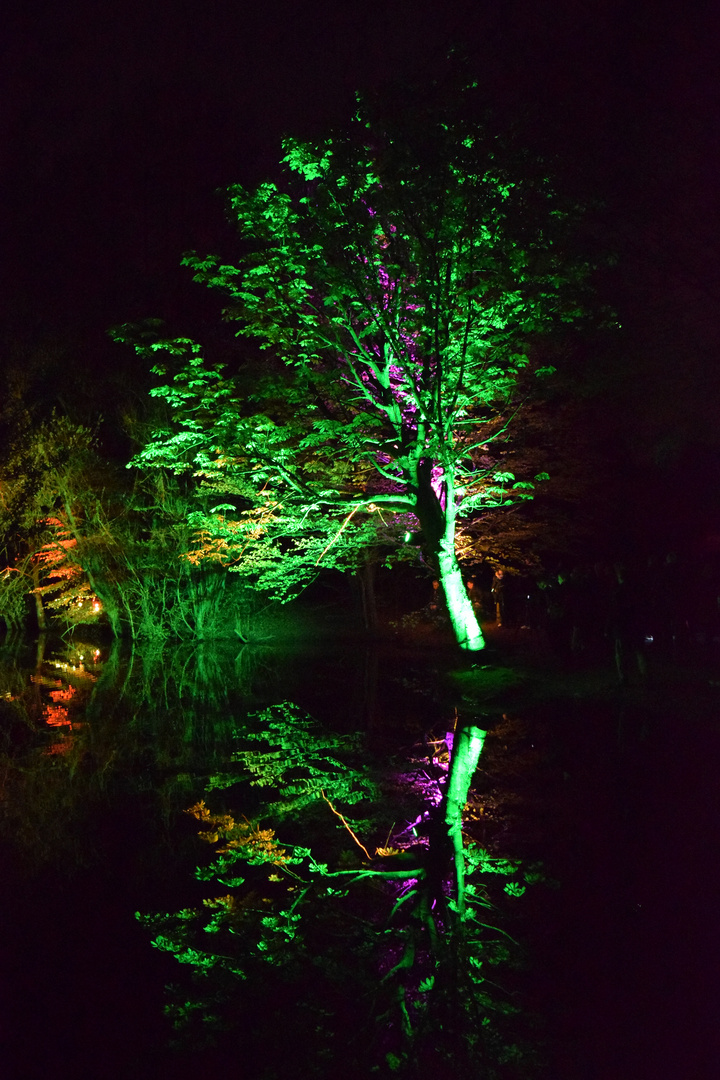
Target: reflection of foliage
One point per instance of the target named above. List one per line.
(375, 952)
(44, 748)
(303, 760)
(260, 844)
(81, 730)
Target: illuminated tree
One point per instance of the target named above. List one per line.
(402, 274)
(46, 491)
(84, 545)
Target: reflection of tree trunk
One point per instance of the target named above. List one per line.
(36, 696)
(40, 654)
(467, 747)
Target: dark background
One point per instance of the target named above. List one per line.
(121, 122)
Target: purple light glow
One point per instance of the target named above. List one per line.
(437, 483)
(407, 378)
(407, 886)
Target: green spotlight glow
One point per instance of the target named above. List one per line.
(462, 615)
(467, 747)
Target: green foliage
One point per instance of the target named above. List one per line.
(47, 481)
(85, 545)
(304, 760)
(422, 983)
(15, 584)
(288, 516)
(401, 273)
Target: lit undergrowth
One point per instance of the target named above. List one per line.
(376, 950)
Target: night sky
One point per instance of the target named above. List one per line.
(121, 122)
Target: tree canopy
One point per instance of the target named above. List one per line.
(400, 276)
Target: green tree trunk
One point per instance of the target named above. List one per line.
(467, 747)
(438, 526)
(462, 614)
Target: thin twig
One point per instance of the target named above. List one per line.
(329, 545)
(338, 814)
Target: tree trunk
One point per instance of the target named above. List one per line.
(437, 515)
(39, 606)
(366, 578)
(462, 614)
(370, 681)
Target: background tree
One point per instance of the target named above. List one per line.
(84, 545)
(45, 492)
(403, 275)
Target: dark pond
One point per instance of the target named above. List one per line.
(613, 790)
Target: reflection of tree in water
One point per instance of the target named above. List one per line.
(371, 948)
(43, 698)
(344, 899)
(83, 727)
